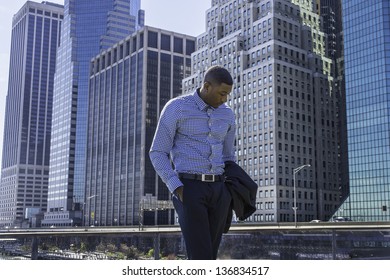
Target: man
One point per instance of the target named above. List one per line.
(196, 132)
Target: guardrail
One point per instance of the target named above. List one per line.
(276, 240)
(235, 228)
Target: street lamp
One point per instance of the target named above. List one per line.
(295, 171)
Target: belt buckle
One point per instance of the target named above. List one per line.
(208, 178)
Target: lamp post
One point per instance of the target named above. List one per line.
(295, 208)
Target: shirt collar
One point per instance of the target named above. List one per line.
(199, 101)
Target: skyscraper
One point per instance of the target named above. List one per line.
(130, 83)
(90, 26)
(284, 101)
(367, 58)
(26, 149)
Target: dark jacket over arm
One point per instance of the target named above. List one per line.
(243, 191)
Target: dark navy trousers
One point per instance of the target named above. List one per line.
(202, 217)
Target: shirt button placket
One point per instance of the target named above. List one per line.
(209, 112)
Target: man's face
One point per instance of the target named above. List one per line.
(216, 95)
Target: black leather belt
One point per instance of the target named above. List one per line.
(203, 177)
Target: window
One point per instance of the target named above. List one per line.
(165, 42)
(152, 39)
(178, 45)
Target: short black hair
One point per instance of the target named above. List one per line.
(218, 75)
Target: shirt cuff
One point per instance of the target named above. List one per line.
(173, 183)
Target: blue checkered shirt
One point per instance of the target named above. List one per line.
(196, 137)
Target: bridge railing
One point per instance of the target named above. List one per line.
(243, 241)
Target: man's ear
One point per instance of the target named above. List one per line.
(206, 85)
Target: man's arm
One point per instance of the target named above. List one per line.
(228, 144)
(162, 146)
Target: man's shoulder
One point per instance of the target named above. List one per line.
(180, 100)
(175, 106)
(227, 110)
(226, 107)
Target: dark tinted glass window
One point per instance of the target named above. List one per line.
(190, 47)
(141, 40)
(165, 42)
(134, 45)
(178, 45)
(152, 39)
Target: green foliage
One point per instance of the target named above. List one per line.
(111, 248)
(121, 253)
(26, 248)
(171, 257)
(83, 247)
(150, 254)
(43, 246)
(132, 253)
(120, 256)
(101, 247)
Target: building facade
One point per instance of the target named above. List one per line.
(284, 100)
(89, 27)
(367, 49)
(129, 85)
(27, 130)
(331, 13)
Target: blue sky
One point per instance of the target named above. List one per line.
(183, 16)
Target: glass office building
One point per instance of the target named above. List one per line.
(129, 85)
(26, 147)
(90, 26)
(367, 75)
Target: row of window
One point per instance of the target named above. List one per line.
(155, 40)
(46, 13)
(265, 205)
(262, 217)
(260, 137)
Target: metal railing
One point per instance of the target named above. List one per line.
(244, 241)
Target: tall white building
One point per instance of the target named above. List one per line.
(284, 102)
